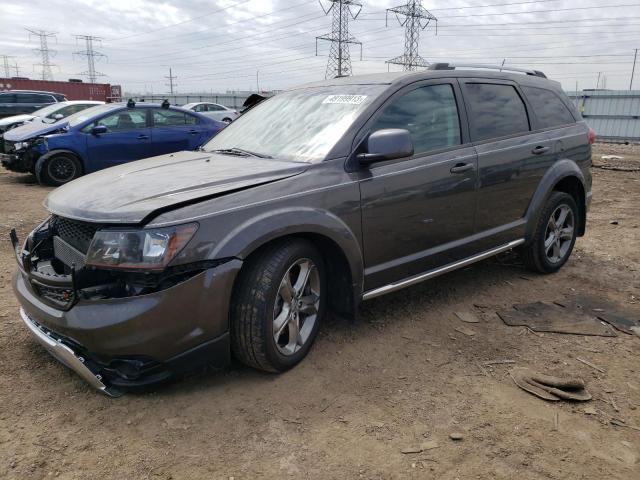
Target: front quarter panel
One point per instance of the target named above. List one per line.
(324, 200)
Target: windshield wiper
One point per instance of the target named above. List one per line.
(241, 152)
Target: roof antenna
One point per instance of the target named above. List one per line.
(131, 103)
(165, 104)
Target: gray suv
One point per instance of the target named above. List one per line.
(16, 102)
(311, 202)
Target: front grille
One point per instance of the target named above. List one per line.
(67, 254)
(75, 233)
(61, 297)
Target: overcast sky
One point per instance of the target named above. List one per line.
(219, 45)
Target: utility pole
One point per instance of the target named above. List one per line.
(633, 71)
(5, 62)
(171, 79)
(44, 52)
(416, 18)
(339, 63)
(258, 81)
(16, 68)
(598, 82)
(91, 55)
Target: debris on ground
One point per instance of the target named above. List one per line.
(613, 314)
(465, 331)
(456, 436)
(546, 317)
(467, 317)
(430, 445)
(549, 387)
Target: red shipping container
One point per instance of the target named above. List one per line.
(71, 90)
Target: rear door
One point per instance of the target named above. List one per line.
(128, 138)
(175, 131)
(417, 212)
(511, 158)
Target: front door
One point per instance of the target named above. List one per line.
(417, 212)
(128, 138)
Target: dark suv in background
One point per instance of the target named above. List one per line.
(311, 202)
(15, 102)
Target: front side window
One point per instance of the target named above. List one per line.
(171, 118)
(548, 107)
(212, 107)
(496, 111)
(430, 114)
(299, 125)
(200, 108)
(124, 120)
(7, 98)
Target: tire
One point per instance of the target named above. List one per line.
(559, 238)
(227, 120)
(259, 305)
(58, 170)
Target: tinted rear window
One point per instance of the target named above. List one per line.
(34, 98)
(496, 111)
(548, 107)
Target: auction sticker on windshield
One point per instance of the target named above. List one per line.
(345, 99)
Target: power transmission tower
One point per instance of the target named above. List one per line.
(91, 55)
(16, 68)
(44, 51)
(416, 18)
(5, 61)
(171, 83)
(339, 64)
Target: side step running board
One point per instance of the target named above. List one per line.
(421, 277)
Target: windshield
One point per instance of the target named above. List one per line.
(89, 113)
(299, 125)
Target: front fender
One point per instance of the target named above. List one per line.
(558, 171)
(247, 237)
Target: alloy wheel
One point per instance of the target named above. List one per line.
(61, 169)
(559, 234)
(296, 307)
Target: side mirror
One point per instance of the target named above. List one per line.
(58, 116)
(99, 130)
(387, 144)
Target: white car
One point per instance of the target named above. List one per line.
(49, 114)
(213, 110)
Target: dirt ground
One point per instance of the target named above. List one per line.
(404, 376)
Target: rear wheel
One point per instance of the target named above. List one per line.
(555, 235)
(226, 120)
(59, 169)
(277, 306)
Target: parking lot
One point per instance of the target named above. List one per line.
(407, 376)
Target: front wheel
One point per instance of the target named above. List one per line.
(277, 306)
(58, 170)
(555, 235)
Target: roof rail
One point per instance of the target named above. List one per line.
(452, 66)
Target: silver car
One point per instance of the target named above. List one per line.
(213, 110)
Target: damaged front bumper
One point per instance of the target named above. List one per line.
(133, 342)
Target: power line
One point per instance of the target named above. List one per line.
(44, 51)
(416, 18)
(339, 63)
(91, 55)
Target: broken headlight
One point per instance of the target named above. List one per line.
(22, 145)
(150, 249)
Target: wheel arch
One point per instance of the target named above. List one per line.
(564, 176)
(52, 153)
(333, 238)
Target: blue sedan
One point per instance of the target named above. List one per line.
(102, 137)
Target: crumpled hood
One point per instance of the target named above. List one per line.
(15, 119)
(33, 129)
(131, 192)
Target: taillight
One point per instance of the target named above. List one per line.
(592, 136)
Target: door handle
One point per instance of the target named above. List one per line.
(143, 137)
(193, 132)
(462, 167)
(540, 150)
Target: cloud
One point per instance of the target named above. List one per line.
(223, 45)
